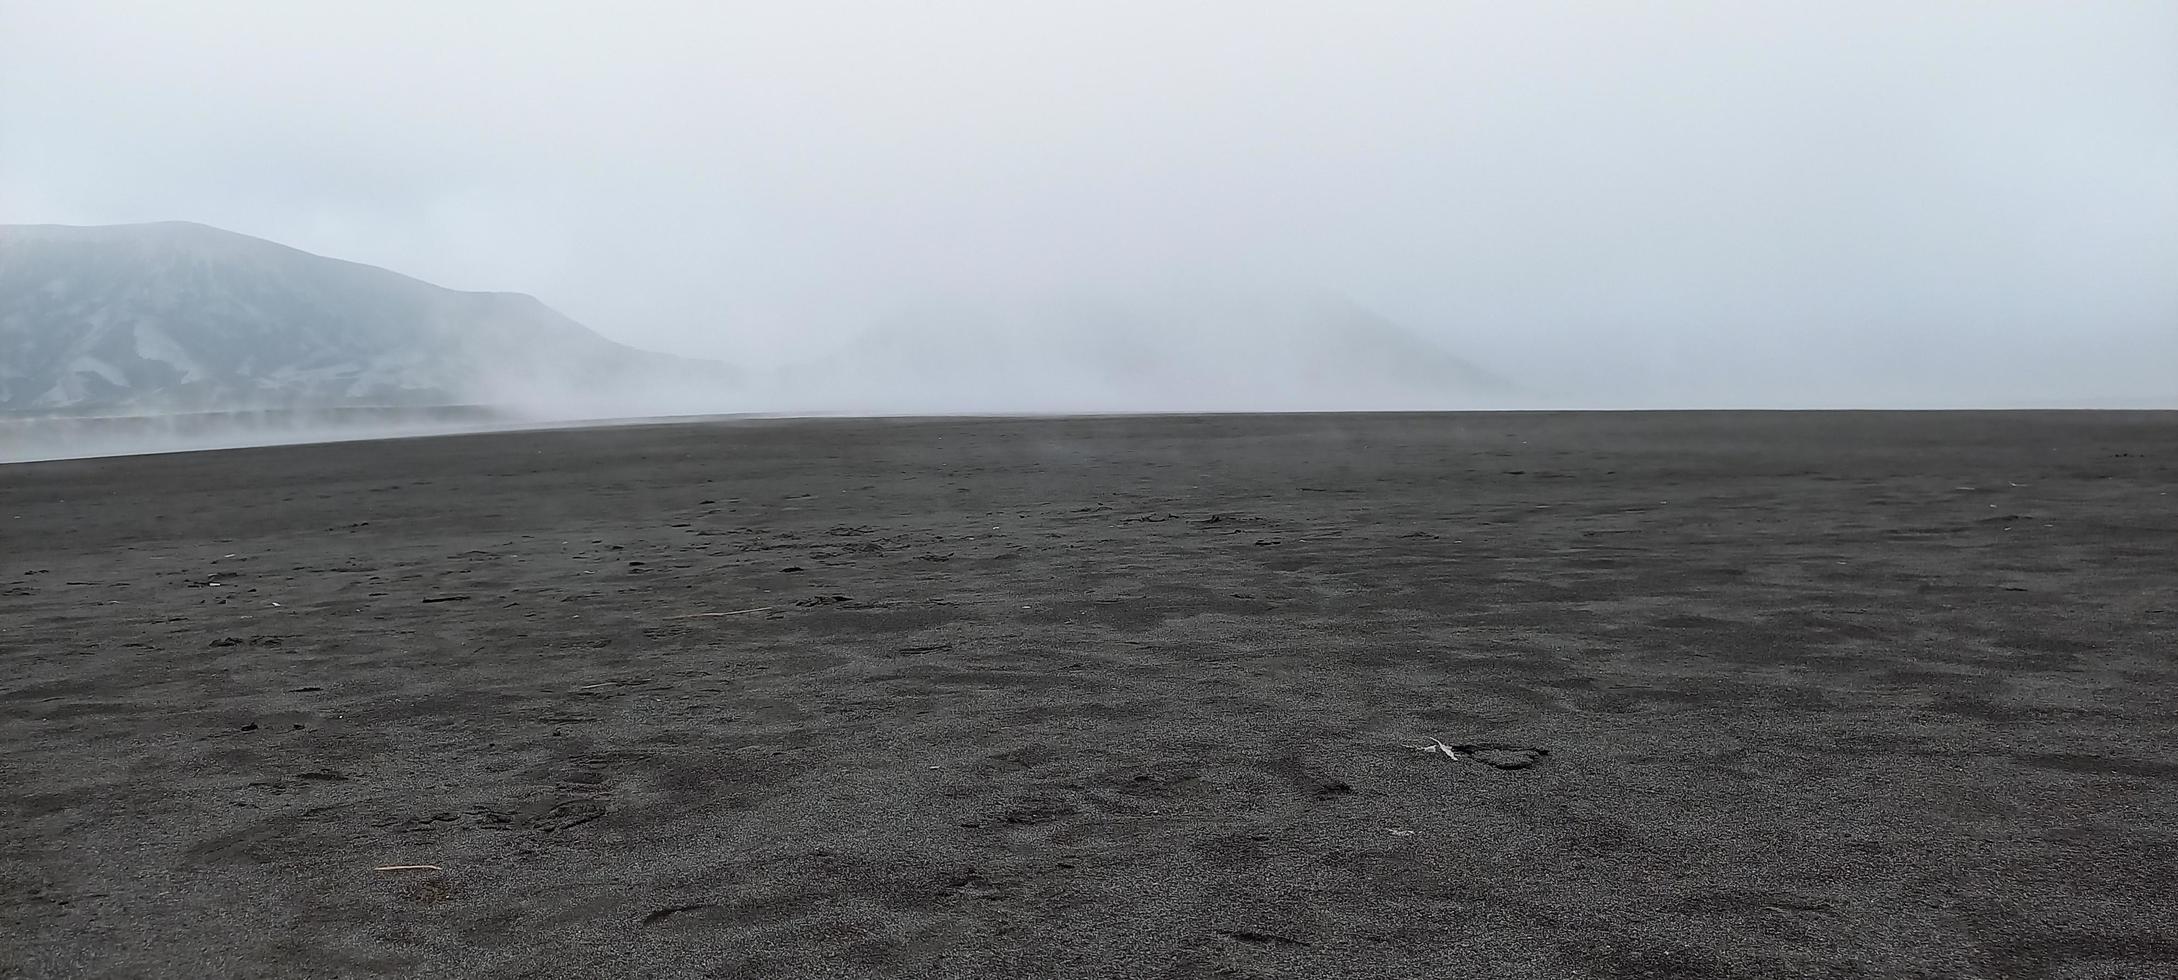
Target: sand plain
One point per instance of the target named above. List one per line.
(1729, 695)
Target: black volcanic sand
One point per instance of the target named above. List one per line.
(1743, 695)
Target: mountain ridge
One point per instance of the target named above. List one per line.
(178, 316)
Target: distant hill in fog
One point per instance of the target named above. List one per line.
(178, 317)
(1164, 352)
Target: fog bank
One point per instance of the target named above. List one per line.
(1682, 203)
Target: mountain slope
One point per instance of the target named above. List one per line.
(174, 316)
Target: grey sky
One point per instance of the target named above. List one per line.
(1638, 203)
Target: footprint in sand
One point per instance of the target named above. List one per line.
(1501, 756)
(1496, 755)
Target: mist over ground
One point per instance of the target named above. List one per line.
(1656, 205)
(1262, 599)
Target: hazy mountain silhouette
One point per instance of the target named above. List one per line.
(1167, 351)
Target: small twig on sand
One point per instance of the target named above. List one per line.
(408, 867)
(737, 612)
(593, 687)
(1437, 746)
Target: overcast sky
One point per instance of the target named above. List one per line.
(1639, 202)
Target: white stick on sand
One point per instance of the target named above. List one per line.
(1437, 746)
(737, 612)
